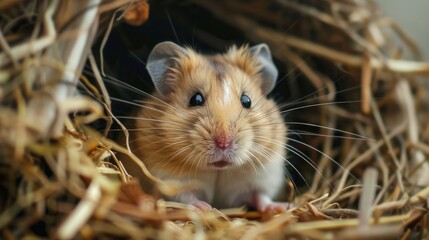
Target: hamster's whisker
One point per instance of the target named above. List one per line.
(185, 160)
(290, 164)
(201, 161)
(141, 61)
(306, 133)
(262, 152)
(319, 104)
(325, 155)
(291, 132)
(259, 161)
(148, 128)
(170, 135)
(119, 83)
(303, 156)
(177, 138)
(278, 143)
(267, 112)
(164, 147)
(114, 81)
(151, 120)
(137, 104)
(179, 151)
(252, 164)
(306, 97)
(246, 156)
(171, 156)
(274, 110)
(298, 101)
(287, 172)
(358, 136)
(287, 74)
(155, 104)
(196, 159)
(141, 105)
(354, 136)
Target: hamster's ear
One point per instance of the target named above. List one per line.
(269, 72)
(160, 60)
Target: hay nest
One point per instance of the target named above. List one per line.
(61, 179)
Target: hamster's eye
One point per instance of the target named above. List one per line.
(245, 101)
(196, 100)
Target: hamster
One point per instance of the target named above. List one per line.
(210, 121)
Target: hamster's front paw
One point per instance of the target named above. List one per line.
(191, 199)
(275, 207)
(264, 204)
(201, 205)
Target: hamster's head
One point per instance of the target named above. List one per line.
(213, 111)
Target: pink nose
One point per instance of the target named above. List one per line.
(222, 141)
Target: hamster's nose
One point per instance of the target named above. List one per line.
(222, 141)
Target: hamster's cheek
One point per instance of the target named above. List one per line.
(198, 136)
(245, 140)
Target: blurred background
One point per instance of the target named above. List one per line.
(413, 16)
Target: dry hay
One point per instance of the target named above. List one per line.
(60, 179)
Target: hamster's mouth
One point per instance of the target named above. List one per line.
(220, 164)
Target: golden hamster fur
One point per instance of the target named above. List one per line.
(210, 121)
